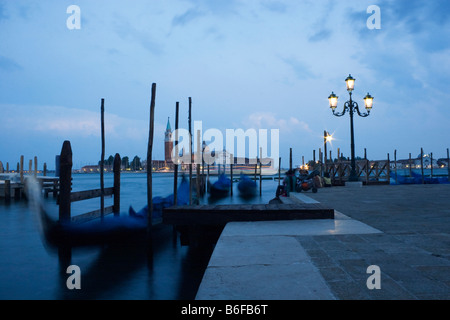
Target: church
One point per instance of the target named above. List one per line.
(167, 163)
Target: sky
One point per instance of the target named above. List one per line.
(253, 64)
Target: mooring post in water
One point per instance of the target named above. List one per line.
(21, 169)
(190, 150)
(116, 170)
(421, 164)
(102, 162)
(279, 170)
(175, 176)
(7, 191)
(388, 168)
(231, 172)
(431, 160)
(395, 165)
(198, 154)
(35, 166)
(448, 164)
(260, 171)
(321, 161)
(367, 166)
(207, 179)
(290, 159)
(149, 160)
(65, 182)
(410, 165)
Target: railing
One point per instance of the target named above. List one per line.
(370, 172)
(66, 196)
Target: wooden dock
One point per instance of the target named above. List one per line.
(203, 224)
(222, 214)
(12, 187)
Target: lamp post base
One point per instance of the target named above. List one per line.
(353, 184)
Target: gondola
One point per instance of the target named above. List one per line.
(159, 203)
(220, 188)
(246, 186)
(110, 229)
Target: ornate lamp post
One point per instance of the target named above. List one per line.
(352, 107)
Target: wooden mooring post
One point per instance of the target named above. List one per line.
(395, 165)
(67, 197)
(65, 182)
(431, 160)
(21, 169)
(190, 149)
(149, 161)
(7, 191)
(279, 171)
(198, 154)
(260, 171)
(448, 164)
(421, 165)
(231, 173)
(175, 175)
(290, 159)
(102, 161)
(410, 165)
(116, 170)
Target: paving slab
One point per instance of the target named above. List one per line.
(405, 230)
(262, 268)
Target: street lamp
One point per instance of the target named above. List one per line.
(351, 106)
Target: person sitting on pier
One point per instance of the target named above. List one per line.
(326, 180)
(288, 184)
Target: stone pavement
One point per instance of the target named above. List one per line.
(413, 252)
(404, 230)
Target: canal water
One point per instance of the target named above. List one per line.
(31, 269)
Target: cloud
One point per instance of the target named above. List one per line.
(301, 70)
(127, 32)
(217, 7)
(320, 35)
(63, 121)
(7, 64)
(275, 6)
(269, 120)
(188, 16)
(3, 15)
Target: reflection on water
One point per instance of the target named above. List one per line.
(29, 269)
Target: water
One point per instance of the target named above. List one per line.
(437, 172)
(30, 269)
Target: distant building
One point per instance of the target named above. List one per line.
(168, 144)
(415, 163)
(90, 169)
(442, 163)
(426, 160)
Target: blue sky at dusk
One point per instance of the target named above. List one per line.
(262, 64)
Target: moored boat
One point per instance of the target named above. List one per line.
(221, 187)
(246, 186)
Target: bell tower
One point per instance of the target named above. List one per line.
(168, 143)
